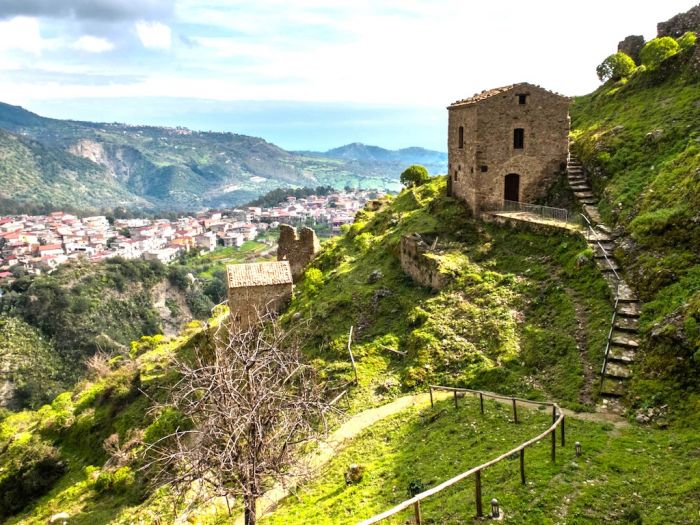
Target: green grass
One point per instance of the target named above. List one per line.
(630, 475)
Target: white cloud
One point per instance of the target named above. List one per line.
(154, 35)
(22, 33)
(93, 44)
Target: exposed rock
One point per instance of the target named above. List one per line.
(631, 46)
(354, 474)
(582, 260)
(654, 135)
(375, 276)
(617, 129)
(60, 519)
(680, 24)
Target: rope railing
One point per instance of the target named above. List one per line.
(415, 501)
(608, 343)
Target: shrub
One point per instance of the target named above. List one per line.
(687, 40)
(615, 67)
(658, 50)
(414, 176)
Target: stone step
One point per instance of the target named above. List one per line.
(580, 187)
(593, 213)
(618, 370)
(612, 387)
(583, 194)
(630, 310)
(625, 293)
(588, 200)
(626, 324)
(607, 265)
(624, 340)
(598, 251)
(573, 179)
(598, 237)
(621, 355)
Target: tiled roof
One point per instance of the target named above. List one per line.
(259, 274)
(478, 97)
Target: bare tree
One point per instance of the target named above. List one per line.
(252, 402)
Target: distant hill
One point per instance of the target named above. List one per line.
(86, 165)
(393, 160)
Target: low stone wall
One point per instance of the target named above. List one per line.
(297, 248)
(417, 263)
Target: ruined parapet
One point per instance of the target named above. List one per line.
(256, 290)
(299, 248)
(418, 263)
(632, 46)
(680, 24)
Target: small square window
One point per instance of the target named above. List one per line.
(484, 169)
(522, 99)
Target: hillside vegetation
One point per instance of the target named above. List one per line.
(639, 139)
(84, 165)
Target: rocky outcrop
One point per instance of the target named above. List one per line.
(631, 46)
(680, 24)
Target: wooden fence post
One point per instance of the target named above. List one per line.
(455, 394)
(515, 412)
(481, 402)
(522, 466)
(563, 431)
(352, 357)
(554, 445)
(477, 495)
(416, 512)
(431, 397)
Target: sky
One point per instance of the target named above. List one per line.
(304, 74)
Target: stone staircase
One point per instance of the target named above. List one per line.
(623, 337)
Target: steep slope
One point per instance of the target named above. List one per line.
(639, 140)
(173, 168)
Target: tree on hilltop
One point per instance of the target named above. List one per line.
(615, 67)
(414, 175)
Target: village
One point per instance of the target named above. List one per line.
(40, 243)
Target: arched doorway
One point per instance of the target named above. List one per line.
(511, 187)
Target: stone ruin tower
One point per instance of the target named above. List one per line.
(297, 248)
(506, 144)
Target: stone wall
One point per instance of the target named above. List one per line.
(479, 168)
(681, 23)
(248, 304)
(417, 263)
(297, 248)
(631, 46)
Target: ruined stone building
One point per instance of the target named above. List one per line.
(297, 248)
(256, 289)
(506, 144)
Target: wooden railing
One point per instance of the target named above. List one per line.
(415, 501)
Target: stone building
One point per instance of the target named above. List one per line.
(297, 248)
(508, 143)
(256, 289)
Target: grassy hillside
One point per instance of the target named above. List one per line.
(524, 313)
(639, 138)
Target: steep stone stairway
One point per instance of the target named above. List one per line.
(623, 337)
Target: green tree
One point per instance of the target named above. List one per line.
(615, 67)
(414, 176)
(658, 50)
(687, 40)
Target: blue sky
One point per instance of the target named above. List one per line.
(305, 74)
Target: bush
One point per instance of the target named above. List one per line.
(615, 67)
(658, 50)
(414, 176)
(687, 40)
(29, 468)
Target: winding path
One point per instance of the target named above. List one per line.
(359, 422)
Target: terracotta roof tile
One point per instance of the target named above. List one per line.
(259, 274)
(478, 97)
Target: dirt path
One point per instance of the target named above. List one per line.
(348, 430)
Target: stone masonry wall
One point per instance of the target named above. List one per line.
(489, 155)
(297, 248)
(681, 23)
(247, 304)
(417, 265)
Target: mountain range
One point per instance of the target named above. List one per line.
(88, 166)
